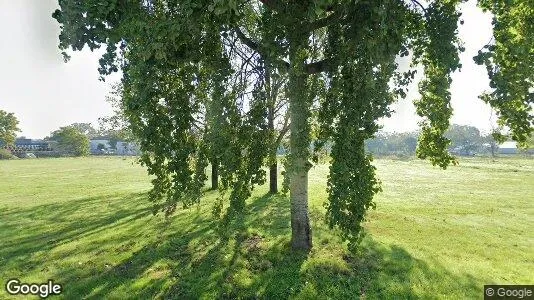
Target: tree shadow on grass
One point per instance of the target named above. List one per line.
(27, 231)
(185, 257)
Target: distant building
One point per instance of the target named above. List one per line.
(508, 148)
(94, 146)
(127, 148)
(23, 144)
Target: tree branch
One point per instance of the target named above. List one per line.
(280, 104)
(246, 40)
(257, 47)
(420, 5)
(284, 129)
(318, 66)
(328, 20)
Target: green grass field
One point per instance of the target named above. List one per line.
(87, 224)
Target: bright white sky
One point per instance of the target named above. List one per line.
(45, 93)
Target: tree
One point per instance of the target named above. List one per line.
(409, 143)
(85, 128)
(272, 84)
(339, 57)
(8, 128)
(70, 141)
(465, 140)
(115, 126)
(393, 144)
(527, 148)
(530, 141)
(268, 87)
(508, 59)
(490, 143)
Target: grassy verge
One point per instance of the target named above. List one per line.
(86, 223)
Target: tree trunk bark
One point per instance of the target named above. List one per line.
(273, 169)
(273, 178)
(214, 174)
(299, 111)
(301, 237)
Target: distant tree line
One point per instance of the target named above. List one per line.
(465, 141)
(398, 144)
(73, 140)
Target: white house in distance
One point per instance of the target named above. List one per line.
(509, 147)
(127, 148)
(93, 144)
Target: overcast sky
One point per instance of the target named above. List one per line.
(45, 93)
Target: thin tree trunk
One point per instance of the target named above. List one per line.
(273, 178)
(214, 175)
(273, 169)
(301, 236)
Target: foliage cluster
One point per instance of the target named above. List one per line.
(464, 140)
(8, 128)
(6, 154)
(509, 61)
(70, 141)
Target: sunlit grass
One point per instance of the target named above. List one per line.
(86, 223)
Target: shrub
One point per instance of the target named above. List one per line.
(70, 141)
(6, 154)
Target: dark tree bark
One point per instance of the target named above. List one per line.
(214, 175)
(272, 94)
(273, 178)
(273, 169)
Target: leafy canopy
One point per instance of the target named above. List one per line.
(185, 60)
(70, 141)
(509, 61)
(8, 128)
(86, 129)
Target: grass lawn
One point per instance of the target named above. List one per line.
(86, 223)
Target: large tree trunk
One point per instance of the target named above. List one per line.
(299, 111)
(301, 237)
(214, 174)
